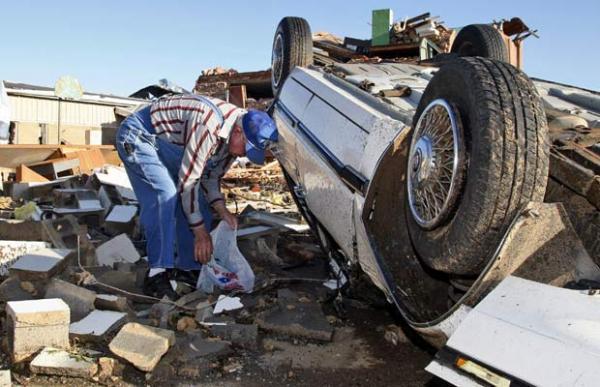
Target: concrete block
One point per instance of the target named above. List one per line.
(120, 279)
(11, 290)
(76, 200)
(127, 267)
(29, 340)
(63, 232)
(163, 313)
(105, 199)
(192, 299)
(36, 324)
(80, 300)
(193, 347)
(97, 324)
(21, 230)
(118, 249)
(141, 345)
(11, 250)
(126, 193)
(5, 378)
(296, 317)
(41, 264)
(111, 302)
(240, 335)
(117, 177)
(17, 190)
(54, 361)
(109, 368)
(122, 214)
(204, 311)
(38, 312)
(121, 219)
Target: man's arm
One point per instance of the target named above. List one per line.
(198, 149)
(211, 185)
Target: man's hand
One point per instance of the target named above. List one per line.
(224, 213)
(203, 247)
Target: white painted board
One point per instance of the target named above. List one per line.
(541, 334)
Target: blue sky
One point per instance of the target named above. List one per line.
(119, 47)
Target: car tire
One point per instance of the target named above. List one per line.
(480, 40)
(292, 46)
(502, 162)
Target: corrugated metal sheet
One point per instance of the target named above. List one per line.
(27, 109)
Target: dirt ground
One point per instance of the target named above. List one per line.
(361, 357)
(361, 352)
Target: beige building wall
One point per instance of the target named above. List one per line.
(30, 133)
(38, 117)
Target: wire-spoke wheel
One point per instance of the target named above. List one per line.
(277, 61)
(478, 155)
(292, 47)
(435, 164)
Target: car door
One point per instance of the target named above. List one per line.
(329, 149)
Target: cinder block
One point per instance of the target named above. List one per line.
(5, 378)
(118, 249)
(41, 264)
(11, 290)
(35, 324)
(63, 232)
(21, 230)
(11, 250)
(97, 325)
(54, 361)
(141, 345)
(80, 300)
(111, 302)
(121, 218)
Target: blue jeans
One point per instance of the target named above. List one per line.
(152, 165)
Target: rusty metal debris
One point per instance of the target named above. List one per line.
(248, 89)
(415, 39)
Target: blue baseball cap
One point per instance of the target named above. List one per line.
(260, 132)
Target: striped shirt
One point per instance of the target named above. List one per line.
(201, 125)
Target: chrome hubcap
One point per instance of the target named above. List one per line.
(423, 160)
(434, 164)
(277, 60)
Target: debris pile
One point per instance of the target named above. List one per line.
(74, 264)
(246, 90)
(218, 71)
(415, 39)
(412, 30)
(403, 40)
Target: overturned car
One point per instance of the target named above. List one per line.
(431, 176)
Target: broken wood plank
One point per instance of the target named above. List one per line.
(13, 155)
(27, 175)
(403, 91)
(237, 95)
(55, 168)
(89, 159)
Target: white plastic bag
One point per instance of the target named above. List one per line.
(227, 269)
